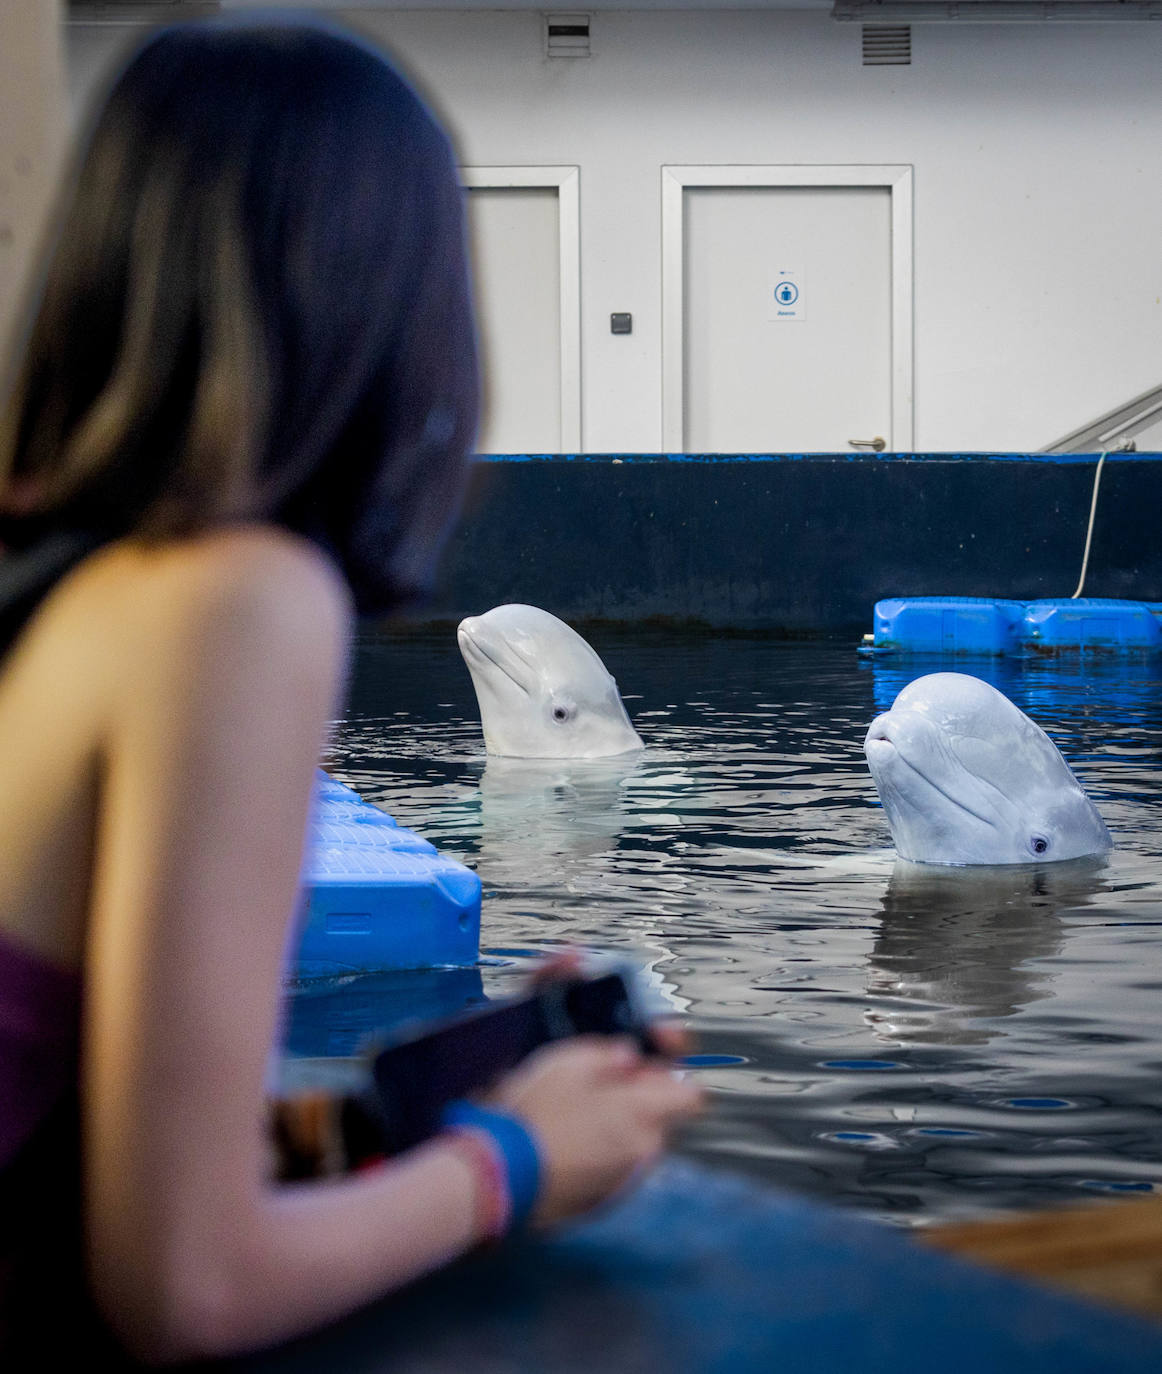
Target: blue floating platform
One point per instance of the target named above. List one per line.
(329, 789)
(984, 625)
(1093, 624)
(379, 897)
(950, 624)
(345, 832)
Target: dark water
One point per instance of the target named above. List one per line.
(915, 1043)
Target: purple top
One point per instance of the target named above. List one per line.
(39, 1031)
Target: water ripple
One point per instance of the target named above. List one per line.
(913, 1045)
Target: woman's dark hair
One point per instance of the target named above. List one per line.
(257, 307)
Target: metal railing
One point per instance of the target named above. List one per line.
(1116, 429)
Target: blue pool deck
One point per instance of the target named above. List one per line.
(378, 897)
(702, 1273)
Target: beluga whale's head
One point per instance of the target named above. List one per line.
(543, 692)
(967, 778)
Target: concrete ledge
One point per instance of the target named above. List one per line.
(701, 1273)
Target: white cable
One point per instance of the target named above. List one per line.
(1089, 531)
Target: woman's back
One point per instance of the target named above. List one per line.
(40, 975)
(88, 655)
(51, 681)
(120, 666)
(93, 652)
(48, 792)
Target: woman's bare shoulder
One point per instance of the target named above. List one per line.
(148, 621)
(248, 567)
(256, 584)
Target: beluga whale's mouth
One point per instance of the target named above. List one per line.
(967, 778)
(878, 733)
(893, 742)
(473, 644)
(542, 691)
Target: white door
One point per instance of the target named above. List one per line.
(515, 238)
(787, 320)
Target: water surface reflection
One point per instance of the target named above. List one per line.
(915, 1043)
(959, 951)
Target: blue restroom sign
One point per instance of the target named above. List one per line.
(785, 295)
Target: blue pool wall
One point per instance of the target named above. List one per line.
(793, 544)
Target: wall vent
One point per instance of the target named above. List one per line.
(566, 35)
(141, 11)
(151, 7)
(887, 46)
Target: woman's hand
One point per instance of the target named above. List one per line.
(668, 1033)
(600, 1111)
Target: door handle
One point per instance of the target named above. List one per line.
(877, 443)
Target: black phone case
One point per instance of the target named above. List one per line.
(416, 1079)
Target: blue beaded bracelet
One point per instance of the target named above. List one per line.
(514, 1144)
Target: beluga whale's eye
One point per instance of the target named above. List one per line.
(561, 713)
(1038, 845)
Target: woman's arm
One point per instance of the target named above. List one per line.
(211, 746)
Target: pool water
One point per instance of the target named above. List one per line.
(918, 1043)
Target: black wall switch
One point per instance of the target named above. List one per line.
(621, 324)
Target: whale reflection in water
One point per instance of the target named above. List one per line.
(542, 821)
(548, 828)
(958, 950)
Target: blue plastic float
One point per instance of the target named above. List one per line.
(379, 897)
(983, 625)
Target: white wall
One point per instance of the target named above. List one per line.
(1038, 157)
(31, 142)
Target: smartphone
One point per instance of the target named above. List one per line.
(414, 1078)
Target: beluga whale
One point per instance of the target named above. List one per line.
(966, 777)
(543, 692)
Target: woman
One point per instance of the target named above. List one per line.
(241, 417)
